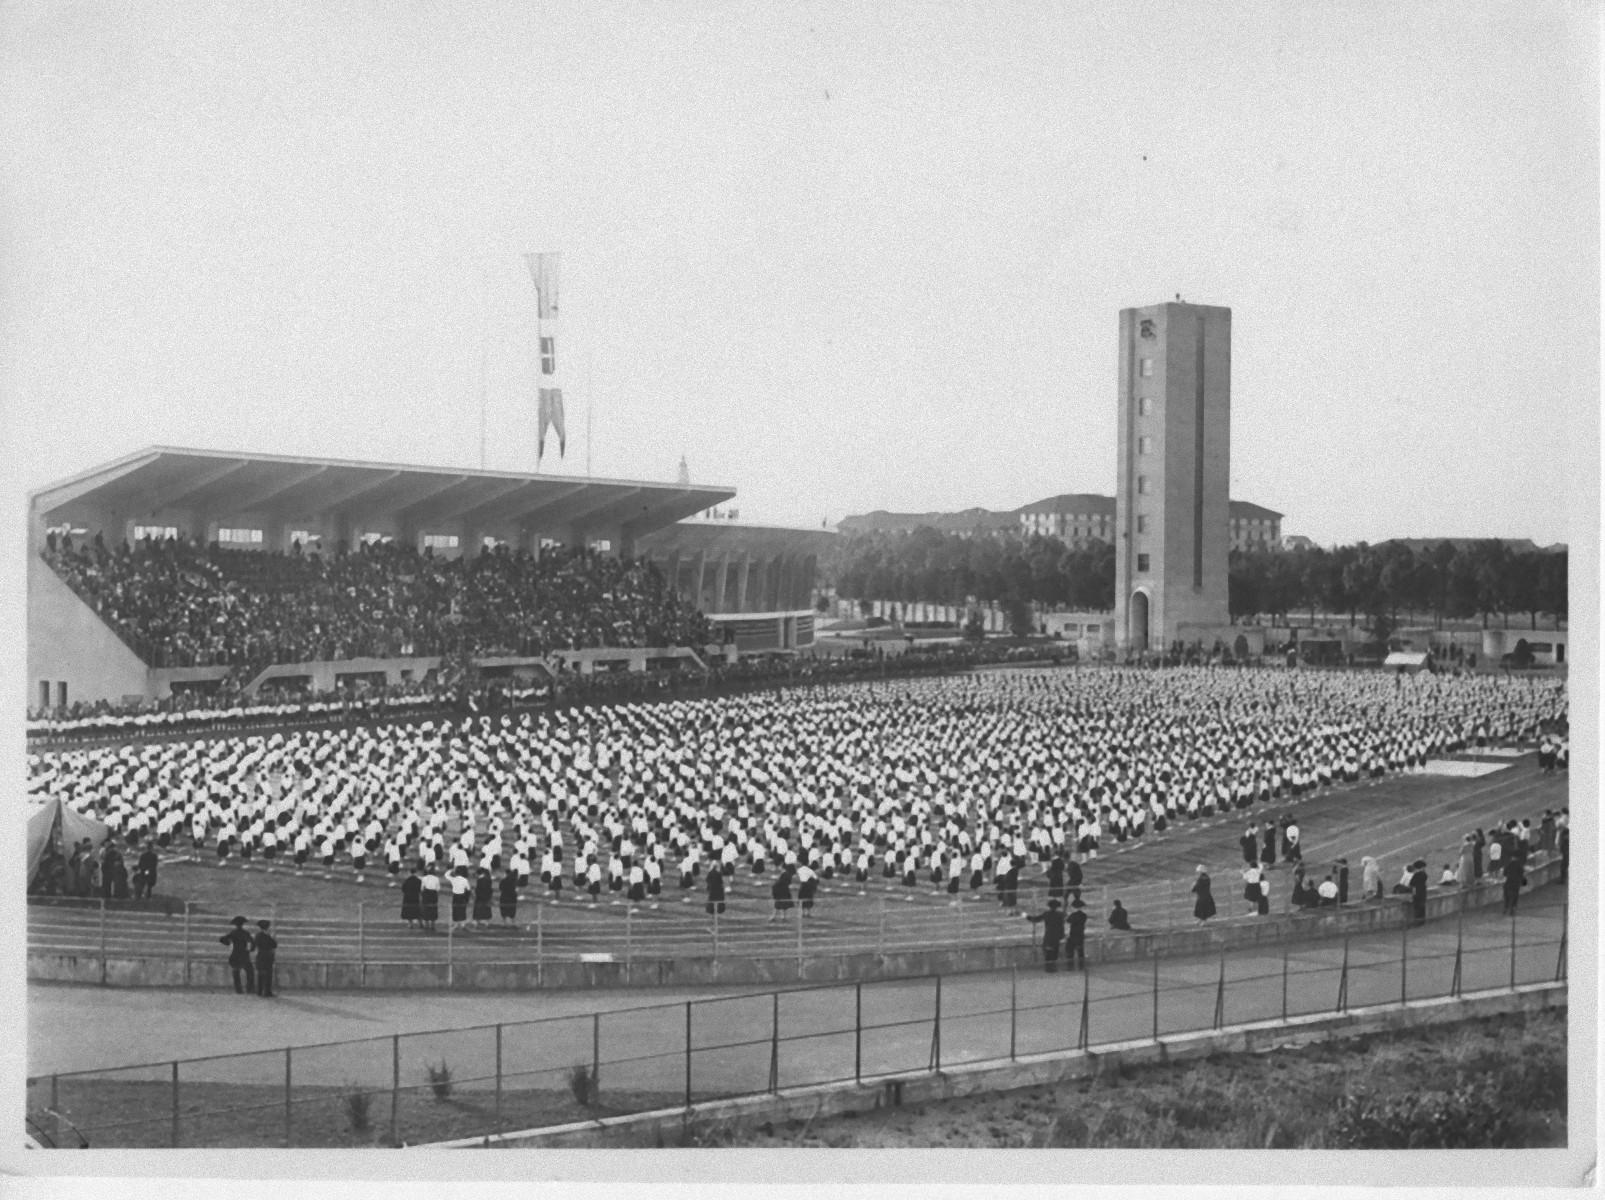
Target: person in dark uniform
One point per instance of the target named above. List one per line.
(509, 898)
(1119, 918)
(1076, 942)
(1250, 844)
(715, 893)
(240, 945)
(267, 946)
(461, 891)
(1418, 891)
(411, 898)
(1268, 854)
(1052, 922)
(780, 893)
(1204, 906)
(483, 890)
(1515, 880)
(1342, 882)
(1009, 885)
(145, 874)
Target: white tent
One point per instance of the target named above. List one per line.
(1409, 660)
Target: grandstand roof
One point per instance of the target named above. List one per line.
(715, 537)
(285, 487)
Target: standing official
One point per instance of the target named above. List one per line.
(267, 947)
(239, 956)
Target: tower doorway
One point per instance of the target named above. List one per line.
(1137, 622)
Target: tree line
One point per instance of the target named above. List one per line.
(1378, 584)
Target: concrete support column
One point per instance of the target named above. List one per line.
(743, 580)
(698, 573)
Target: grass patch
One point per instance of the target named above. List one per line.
(1492, 1083)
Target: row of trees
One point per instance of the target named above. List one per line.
(1444, 580)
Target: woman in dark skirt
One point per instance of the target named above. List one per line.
(460, 892)
(509, 897)
(429, 901)
(1268, 855)
(808, 885)
(1204, 906)
(411, 898)
(484, 888)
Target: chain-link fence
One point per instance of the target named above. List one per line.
(460, 1083)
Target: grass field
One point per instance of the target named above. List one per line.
(1493, 1083)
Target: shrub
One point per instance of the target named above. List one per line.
(357, 1105)
(439, 1079)
(583, 1084)
(1472, 1116)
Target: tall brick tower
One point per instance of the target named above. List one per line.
(1172, 527)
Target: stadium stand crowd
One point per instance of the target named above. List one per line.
(948, 782)
(179, 604)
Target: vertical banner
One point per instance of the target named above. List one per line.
(545, 271)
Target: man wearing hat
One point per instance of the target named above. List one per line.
(1076, 943)
(1052, 922)
(239, 956)
(266, 947)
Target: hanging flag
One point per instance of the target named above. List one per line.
(543, 269)
(551, 414)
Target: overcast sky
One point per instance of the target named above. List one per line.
(841, 256)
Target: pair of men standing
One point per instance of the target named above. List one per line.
(1054, 923)
(257, 977)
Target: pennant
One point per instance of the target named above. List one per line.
(551, 414)
(543, 269)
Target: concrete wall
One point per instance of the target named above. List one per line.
(68, 642)
(131, 971)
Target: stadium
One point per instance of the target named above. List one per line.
(488, 735)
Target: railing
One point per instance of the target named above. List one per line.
(880, 918)
(473, 1082)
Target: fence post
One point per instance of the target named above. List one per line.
(596, 1056)
(1404, 964)
(1343, 980)
(362, 949)
(858, 1032)
(498, 1077)
(1560, 957)
(799, 941)
(715, 933)
(1170, 904)
(287, 1139)
(175, 1104)
(1459, 942)
(1220, 994)
(774, 1043)
(629, 933)
(1084, 1037)
(880, 934)
(186, 943)
(1284, 982)
(540, 942)
(1512, 953)
(688, 1054)
(449, 963)
(395, 1087)
(1014, 985)
(936, 1031)
(103, 941)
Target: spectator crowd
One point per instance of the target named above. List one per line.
(179, 604)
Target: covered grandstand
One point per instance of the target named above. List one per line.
(235, 504)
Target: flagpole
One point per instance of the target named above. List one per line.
(484, 360)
